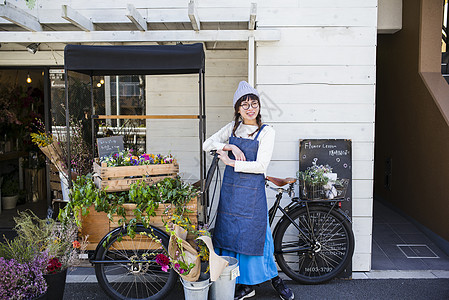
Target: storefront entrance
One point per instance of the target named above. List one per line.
(22, 166)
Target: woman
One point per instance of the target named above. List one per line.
(241, 229)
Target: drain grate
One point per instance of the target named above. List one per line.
(417, 251)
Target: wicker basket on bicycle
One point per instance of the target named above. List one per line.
(315, 191)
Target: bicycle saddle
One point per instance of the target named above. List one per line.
(281, 181)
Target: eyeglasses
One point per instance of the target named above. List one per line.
(245, 105)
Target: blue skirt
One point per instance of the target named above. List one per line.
(255, 269)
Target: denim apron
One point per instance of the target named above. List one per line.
(242, 211)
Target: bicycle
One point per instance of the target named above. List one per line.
(313, 240)
(126, 269)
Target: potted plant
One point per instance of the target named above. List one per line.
(317, 182)
(22, 266)
(10, 193)
(58, 241)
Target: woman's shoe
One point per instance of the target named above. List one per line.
(244, 291)
(284, 292)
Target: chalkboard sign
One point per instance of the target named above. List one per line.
(109, 145)
(338, 155)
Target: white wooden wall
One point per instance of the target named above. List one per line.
(318, 81)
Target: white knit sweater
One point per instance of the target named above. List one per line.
(266, 144)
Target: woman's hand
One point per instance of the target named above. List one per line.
(238, 154)
(223, 155)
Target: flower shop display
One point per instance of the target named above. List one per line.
(118, 171)
(318, 182)
(97, 211)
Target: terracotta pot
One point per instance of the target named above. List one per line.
(9, 202)
(56, 284)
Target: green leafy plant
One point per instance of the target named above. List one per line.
(10, 187)
(147, 197)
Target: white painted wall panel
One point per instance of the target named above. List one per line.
(324, 16)
(285, 132)
(317, 56)
(362, 207)
(316, 74)
(337, 3)
(272, 95)
(323, 113)
(324, 36)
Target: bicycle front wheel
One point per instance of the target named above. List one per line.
(321, 251)
(127, 268)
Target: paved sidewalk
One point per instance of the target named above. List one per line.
(390, 284)
(426, 289)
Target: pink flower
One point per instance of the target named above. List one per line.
(182, 271)
(165, 268)
(177, 266)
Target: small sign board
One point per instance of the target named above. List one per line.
(110, 145)
(337, 153)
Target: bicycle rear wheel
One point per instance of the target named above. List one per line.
(129, 270)
(322, 252)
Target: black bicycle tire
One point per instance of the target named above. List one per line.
(100, 267)
(299, 275)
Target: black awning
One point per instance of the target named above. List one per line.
(134, 60)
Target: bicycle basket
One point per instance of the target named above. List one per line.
(311, 191)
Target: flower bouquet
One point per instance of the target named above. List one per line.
(317, 182)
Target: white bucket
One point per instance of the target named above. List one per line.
(64, 186)
(224, 287)
(196, 290)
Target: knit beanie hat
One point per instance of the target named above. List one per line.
(243, 89)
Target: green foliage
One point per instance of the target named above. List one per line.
(19, 249)
(147, 197)
(10, 187)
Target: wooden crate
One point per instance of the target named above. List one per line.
(116, 179)
(97, 224)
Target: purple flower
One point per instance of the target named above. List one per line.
(22, 280)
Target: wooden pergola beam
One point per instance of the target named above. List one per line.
(19, 17)
(136, 18)
(252, 16)
(77, 19)
(193, 16)
(139, 36)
